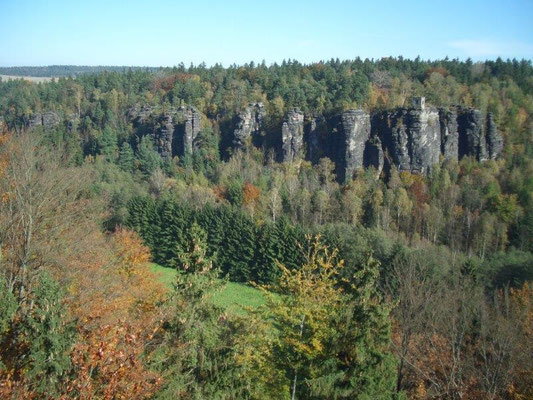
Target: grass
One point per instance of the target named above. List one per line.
(234, 297)
(34, 79)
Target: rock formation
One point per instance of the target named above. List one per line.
(493, 138)
(163, 135)
(47, 120)
(449, 134)
(373, 156)
(425, 140)
(472, 140)
(192, 125)
(249, 123)
(174, 132)
(292, 134)
(317, 128)
(356, 131)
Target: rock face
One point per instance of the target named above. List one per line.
(412, 138)
(174, 132)
(47, 120)
(449, 134)
(249, 122)
(494, 139)
(355, 133)
(140, 114)
(472, 140)
(163, 135)
(374, 156)
(50, 119)
(424, 138)
(192, 126)
(35, 121)
(317, 128)
(292, 135)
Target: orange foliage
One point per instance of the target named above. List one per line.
(113, 351)
(251, 193)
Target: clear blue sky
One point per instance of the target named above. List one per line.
(165, 33)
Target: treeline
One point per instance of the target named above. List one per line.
(56, 71)
(247, 250)
(240, 248)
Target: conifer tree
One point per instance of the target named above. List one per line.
(47, 335)
(330, 343)
(126, 157)
(107, 144)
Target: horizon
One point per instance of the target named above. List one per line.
(165, 33)
(195, 65)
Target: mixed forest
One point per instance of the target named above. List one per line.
(387, 284)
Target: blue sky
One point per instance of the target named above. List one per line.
(165, 33)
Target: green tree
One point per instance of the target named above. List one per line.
(47, 335)
(195, 352)
(330, 343)
(107, 144)
(126, 157)
(148, 158)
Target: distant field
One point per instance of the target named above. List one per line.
(34, 79)
(233, 298)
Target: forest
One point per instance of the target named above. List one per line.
(386, 283)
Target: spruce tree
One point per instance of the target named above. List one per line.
(126, 158)
(107, 144)
(47, 335)
(148, 158)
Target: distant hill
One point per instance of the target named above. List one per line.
(65, 70)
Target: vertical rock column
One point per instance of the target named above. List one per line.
(449, 135)
(192, 126)
(424, 138)
(471, 134)
(494, 139)
(163, 135)
(249, 123)
(292, 133)
(356, 131)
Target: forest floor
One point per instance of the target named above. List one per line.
(235, 297)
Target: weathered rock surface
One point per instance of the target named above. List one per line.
(140, 114)
(449, 134)
(47, 120)
(412, 138)
(292, 135)
(472, 140)
(35, 121)
(393, 132)
(493, 138)
(50, 119)
(424, 138)
(356, 131)
(317, 128)
(192, 121)
(174, 132)
(163, 135)
(374, 156)
(249, 122)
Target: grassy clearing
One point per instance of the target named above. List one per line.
(233, 298)
(34, 79)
